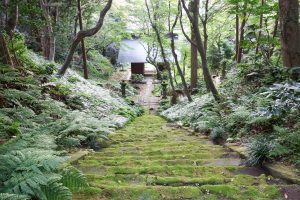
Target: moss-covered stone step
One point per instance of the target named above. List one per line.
(179, 151)
(164, 146)
(149, 160)
(205, 192)
(144, 180)
(193, 156)
(178, 170)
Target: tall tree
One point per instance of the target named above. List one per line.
(83, 34)
(290, 32)
(84, 57)
(194, 19)
(9, 21)
(194, 57)
(48, 40)
(154, 23)
(173, 48)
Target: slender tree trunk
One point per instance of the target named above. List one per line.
(83, 34)
(275, 31)
(84, 57)
(159, 40)
(48, 39)
(290, 32)
(9, 23)
(194, 59)
(194, 19)
(4, 52)
(242, 32)
(260, 27)
(204, 22)
(237, 33)
(185, 88)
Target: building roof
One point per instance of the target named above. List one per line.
(132, 51)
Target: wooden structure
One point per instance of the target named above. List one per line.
(138, 68)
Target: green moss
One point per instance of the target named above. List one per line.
(151, 160)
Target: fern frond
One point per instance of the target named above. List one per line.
(74, 179)
(56, 191)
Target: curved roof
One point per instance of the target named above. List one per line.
(132, 51)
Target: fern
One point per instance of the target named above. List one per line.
(7, 196)
(55, 190)
(20, 98)
(73, 179)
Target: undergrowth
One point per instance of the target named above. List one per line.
(262, 108)
(43, 118)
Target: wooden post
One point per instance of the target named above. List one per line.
(85, 70)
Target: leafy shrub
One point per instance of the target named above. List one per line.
(237, 120)
(20, 98)
(218, 135)
(259, 151)
(137, 78)
(285, 96)
(73, 79)
(260, 124)
(98, 65)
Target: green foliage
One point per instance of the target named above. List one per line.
(20, 98)
(218, 135)
(61, 90)
(137, 78)
(258, 151)
(55, 190)
(237, 119)
(99, 66)
(74, 179)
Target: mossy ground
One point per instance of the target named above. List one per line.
(150, 160)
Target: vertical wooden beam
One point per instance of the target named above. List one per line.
(84, 57)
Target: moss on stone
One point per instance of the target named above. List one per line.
(150, 160)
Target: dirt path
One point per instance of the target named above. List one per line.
(151, 160)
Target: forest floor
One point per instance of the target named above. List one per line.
(152, 159)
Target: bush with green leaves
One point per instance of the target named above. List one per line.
(259, 151)
(218, 135)
(285, 98)
(237, 119)
(137, 78)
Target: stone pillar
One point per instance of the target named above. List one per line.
(123, 88)
(164, 89)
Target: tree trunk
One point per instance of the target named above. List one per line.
(194, 60)
(159, 40)
(48, 39)
(83, 34)
(4, 52)
(271, 51)
(185, 88)
(237, 33)
(260, 27)
(194, 19)
(290, 32)
(204, 22)
(242, 31)
(84, 57)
